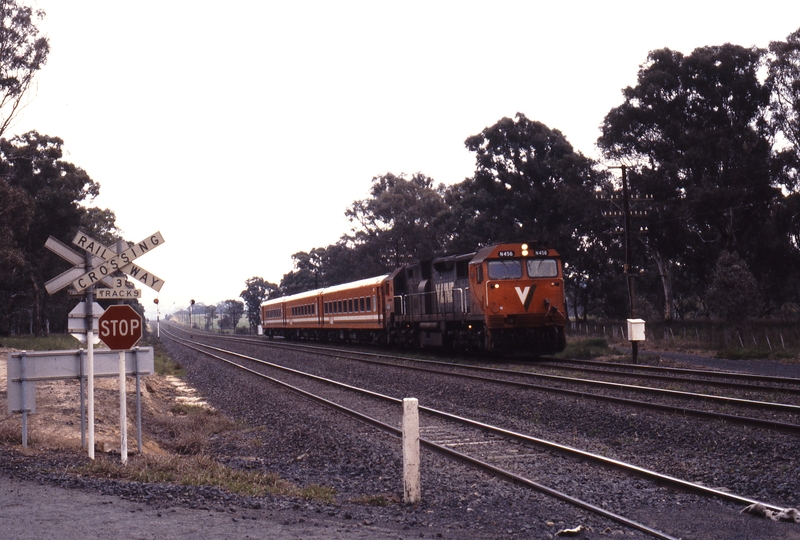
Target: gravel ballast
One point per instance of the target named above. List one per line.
(308, 444)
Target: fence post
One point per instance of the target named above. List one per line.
(23, 379)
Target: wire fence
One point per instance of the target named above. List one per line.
(772, 337)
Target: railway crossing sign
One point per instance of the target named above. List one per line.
(117, 261)
(100, 256)
(120, 327)
(72, 257)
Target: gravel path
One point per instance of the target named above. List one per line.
(32, 510)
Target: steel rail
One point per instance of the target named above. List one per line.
(686, 380)
(707, 382)
(686, 371)
(447, 452)
(542, 443)
(744, 420)
(738, 419)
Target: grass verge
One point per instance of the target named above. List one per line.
(53, 342)
(587, 348)
(201, 470)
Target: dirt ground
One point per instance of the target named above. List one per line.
(30, 510)
(57, 425)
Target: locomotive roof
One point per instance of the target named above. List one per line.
(485, 252)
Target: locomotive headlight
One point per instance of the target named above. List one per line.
(496, 285)
(524, 248)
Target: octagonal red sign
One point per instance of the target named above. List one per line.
(120, 327)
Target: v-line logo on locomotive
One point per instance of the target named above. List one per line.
(526, 295)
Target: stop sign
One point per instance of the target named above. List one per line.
(120, 327)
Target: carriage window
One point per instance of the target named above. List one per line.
(350, 306)
(542, 268)
(369, 304)
(361, 304)
(506, 269)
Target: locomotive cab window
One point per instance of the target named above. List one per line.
(505, 269)
(542, 268)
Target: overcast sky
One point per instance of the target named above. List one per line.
(242, 130)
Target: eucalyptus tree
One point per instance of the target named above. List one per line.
(49, 198)
(784, 84)
(401, 220)
(231, 310)
(734, 293)
(529, 185)
(693, 131)
(23, 52)
(256, 290)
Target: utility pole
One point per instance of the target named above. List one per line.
(626, 205)
(626, 231)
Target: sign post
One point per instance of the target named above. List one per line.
(120, 327)
(90, 362)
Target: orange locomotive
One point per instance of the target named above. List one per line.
(505, 297)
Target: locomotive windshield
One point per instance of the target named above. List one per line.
(512, 268)
(505, 269)
(542, 268)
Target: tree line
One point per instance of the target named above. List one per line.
(712, 138)
(710, 142)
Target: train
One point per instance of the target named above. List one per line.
(504, 298)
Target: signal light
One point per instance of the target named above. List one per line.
(155, 301)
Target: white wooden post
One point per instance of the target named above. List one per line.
(90, 359)
(123, 411)
(411, 488)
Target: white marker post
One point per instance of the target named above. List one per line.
(123, 403)
(411, 487)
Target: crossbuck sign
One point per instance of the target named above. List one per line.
(100, 255)
(122, 261)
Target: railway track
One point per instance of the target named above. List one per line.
(710, 378)
(783, 416)
(502, 452)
